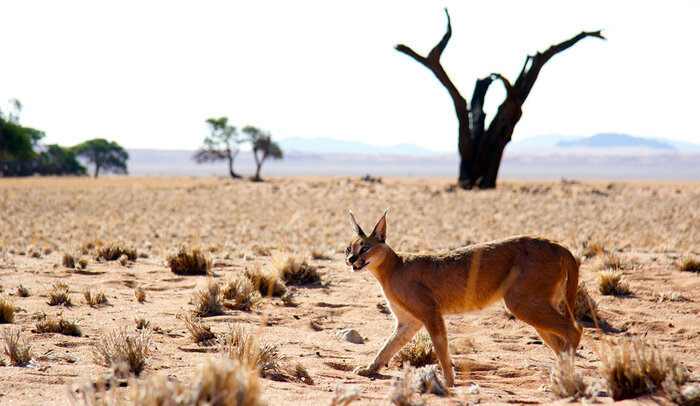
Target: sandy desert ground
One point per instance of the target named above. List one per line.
(243, 225)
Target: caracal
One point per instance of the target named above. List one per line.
(532, 275)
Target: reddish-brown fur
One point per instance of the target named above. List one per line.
(533, 276)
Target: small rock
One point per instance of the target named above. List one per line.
(351, 335)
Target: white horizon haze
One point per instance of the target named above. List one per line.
(148, 74)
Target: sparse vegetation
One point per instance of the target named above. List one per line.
(610, 283)
(237, 344)
(635, 366)
(218, 382)
(19, 352)
(140, 294)
(59, 295)
(239, 293)
(189, 262)
(7, 310)
(114, 251)
(266, 281)
(295, 269)
(49, 324)
(95, 298)
(564, 381)
(418, 353)
(207, 301)
(141, 322)
(123, 351)
(688, 265)
(611, 261)
(22, 291)
(343, 397)
(198, 330)
(68, 260)
(585, 308)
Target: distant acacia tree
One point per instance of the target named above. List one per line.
(221, 144)
(104, 155)
(16, 143)
(263, 147)
(56, 160)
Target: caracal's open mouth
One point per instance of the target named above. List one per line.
(357, 268)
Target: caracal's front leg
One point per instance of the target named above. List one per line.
(406, 327)
(435, 325)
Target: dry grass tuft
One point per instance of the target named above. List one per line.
(82, 263)
(419, 352)
(218, 382)
(95, 299)
(402, 388)
(611, 261)
(140, 294)
(68, 260)
(22, 291)
(59, 295)
(425, 380)
(565, 382)
(295, 269)
(239, 293)
(207, 301)
(688, 265)
(267, 282)
(344, 397)
(633, 367)
(610, 283)
(141, 322)
(189, 262)
(590, 249)
(48, 324)
(124, 351)
(239, 345)
(683, 396)
(7, 310)
(297, 372)
(198, 330)
(15, 348)
(114, 251)
(585, 308)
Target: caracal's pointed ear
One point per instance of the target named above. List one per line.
(358, 230)
(379, 231)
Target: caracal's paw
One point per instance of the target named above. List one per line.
(364, 371)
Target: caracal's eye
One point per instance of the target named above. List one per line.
(347, 250)
(363, 250)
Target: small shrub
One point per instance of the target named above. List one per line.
(82, 263)
(68, 260)
(140, 294)
(419, 352)
(121, 349)
(239, 345)
(189, 262)
(217, 382)
(95, 299)
(47, 324)
(113, 251)
(239, 293)
(585, 308)
(198, 330)
(267, 282)
(7, 310)
(590, 249)
(59, 295)
(123, 260)
(207, 301)
(565, 382)
(344, 397)
(295, 269)
(402, 388)
(15, 348)
(610, 283)
(22, 291)
(611, 261)
(141, 322)
(688, 265)
(633, 367)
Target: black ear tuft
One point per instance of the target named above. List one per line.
(358, 230)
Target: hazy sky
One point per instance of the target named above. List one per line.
(148, 73)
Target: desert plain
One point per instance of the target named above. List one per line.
(649, 228)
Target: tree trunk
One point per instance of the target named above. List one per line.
(258, 165)
(231, 155)
(480, 149)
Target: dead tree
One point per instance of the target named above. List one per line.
(480, 148)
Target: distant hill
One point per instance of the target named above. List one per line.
(538, 141)
(607, 140)
(326, 145)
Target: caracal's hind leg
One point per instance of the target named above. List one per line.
(546, 319)
(435, 325)
(406, 327)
